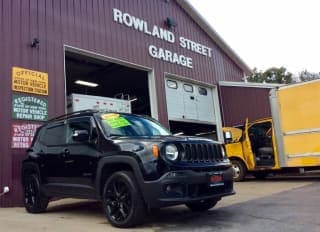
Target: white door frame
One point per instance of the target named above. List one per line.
(215, 96)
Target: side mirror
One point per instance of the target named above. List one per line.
(227, 136)
(80, 135)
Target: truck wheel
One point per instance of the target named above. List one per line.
(122, 201)
(260, 175)
(34, 200)
(239, 170)
(200, 206)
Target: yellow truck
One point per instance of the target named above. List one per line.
(289, 141)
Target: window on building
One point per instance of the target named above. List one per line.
(188, 88)
(172, 84)
(203, 91)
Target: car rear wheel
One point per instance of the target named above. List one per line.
(200, 206)
(34, 200)
(122, 201)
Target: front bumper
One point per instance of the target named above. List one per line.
(180, 187)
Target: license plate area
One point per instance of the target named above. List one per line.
(215, 179)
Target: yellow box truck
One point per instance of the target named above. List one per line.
(289, 141)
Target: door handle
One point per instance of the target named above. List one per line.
(192, 97)
(65, 152)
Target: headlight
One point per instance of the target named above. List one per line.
(172, 152)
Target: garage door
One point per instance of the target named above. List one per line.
(189, 102)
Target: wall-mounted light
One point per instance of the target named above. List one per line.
(86, 83)
(35, 42)
(170, 23)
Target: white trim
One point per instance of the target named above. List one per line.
(192, 12)
(304, 131)
(250, 84)
(65, 81)
(217, 112)
(153, 95)
(105, 58)
(151, 75)
(188, 79)
(314, 154)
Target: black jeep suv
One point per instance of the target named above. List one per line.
(128, 162)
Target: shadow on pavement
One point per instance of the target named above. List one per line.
(292, 210)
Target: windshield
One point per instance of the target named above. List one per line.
(130, 125)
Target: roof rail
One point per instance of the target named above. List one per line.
(65, 116)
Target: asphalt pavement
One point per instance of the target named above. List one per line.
(289, 204)
(296, 210)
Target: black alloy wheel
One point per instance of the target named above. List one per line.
(34, 200)
(122, 201)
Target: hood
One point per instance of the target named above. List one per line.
(166, 138)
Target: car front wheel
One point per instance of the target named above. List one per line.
(122, 201)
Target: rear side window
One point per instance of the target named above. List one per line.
(54, 135)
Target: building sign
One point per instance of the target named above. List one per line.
(29, 81)
(165, 35)
(22, 134)
(29, 108)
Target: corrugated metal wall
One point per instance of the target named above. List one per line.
(88, 24)
(238, 103)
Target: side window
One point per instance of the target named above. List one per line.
(54, 134)
(172, 84)
(203, 91)
(78, 124)
(188, 88)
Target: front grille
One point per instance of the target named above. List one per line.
(201, 152)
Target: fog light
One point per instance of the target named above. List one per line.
(174, 190)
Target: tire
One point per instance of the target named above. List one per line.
(239, 170)
(122, 201)
(200, 206)
(34, 200)
(260, 175)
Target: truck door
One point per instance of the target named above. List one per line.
(247, 148)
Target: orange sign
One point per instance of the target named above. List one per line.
(29, 81)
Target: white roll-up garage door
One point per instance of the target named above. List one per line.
(188, 102)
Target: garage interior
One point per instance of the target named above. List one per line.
(114, 81)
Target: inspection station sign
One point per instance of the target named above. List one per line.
(165, 35)
(29, 81)
(22, 134)
(29, 108)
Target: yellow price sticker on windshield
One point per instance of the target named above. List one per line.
(117, 122)
(110, 116)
